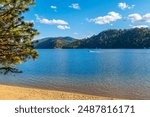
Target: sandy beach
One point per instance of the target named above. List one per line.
(24, 93)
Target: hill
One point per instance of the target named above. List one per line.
(127, 38)
(52, 42)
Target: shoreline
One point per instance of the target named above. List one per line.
(8, 92)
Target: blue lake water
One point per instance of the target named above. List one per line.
(115, 73)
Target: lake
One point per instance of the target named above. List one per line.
(121, 73)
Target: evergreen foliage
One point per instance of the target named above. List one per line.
(15, 34)
(136, 38)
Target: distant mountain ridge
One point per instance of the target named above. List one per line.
(109, 39)
(52, 42)
(134, 38)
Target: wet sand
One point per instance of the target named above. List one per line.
(25, 93)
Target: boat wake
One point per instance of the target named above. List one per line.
(94, 51)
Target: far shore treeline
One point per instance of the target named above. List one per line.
(135, 38)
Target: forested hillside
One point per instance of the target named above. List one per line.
(127, 38)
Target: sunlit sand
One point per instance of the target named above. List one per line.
(22, 93)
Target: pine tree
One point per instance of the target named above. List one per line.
(15, 34)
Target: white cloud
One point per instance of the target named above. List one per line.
(110, 17)
(53, 7)
(146, 17)
(141, 26)
(51, 22)
(132, 6)
(75, 6)
(123, 6)
(137, 17)
(63, 27)
(75, 33)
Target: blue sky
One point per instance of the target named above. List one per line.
(83, 18)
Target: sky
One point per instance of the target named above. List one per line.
(84, 18)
